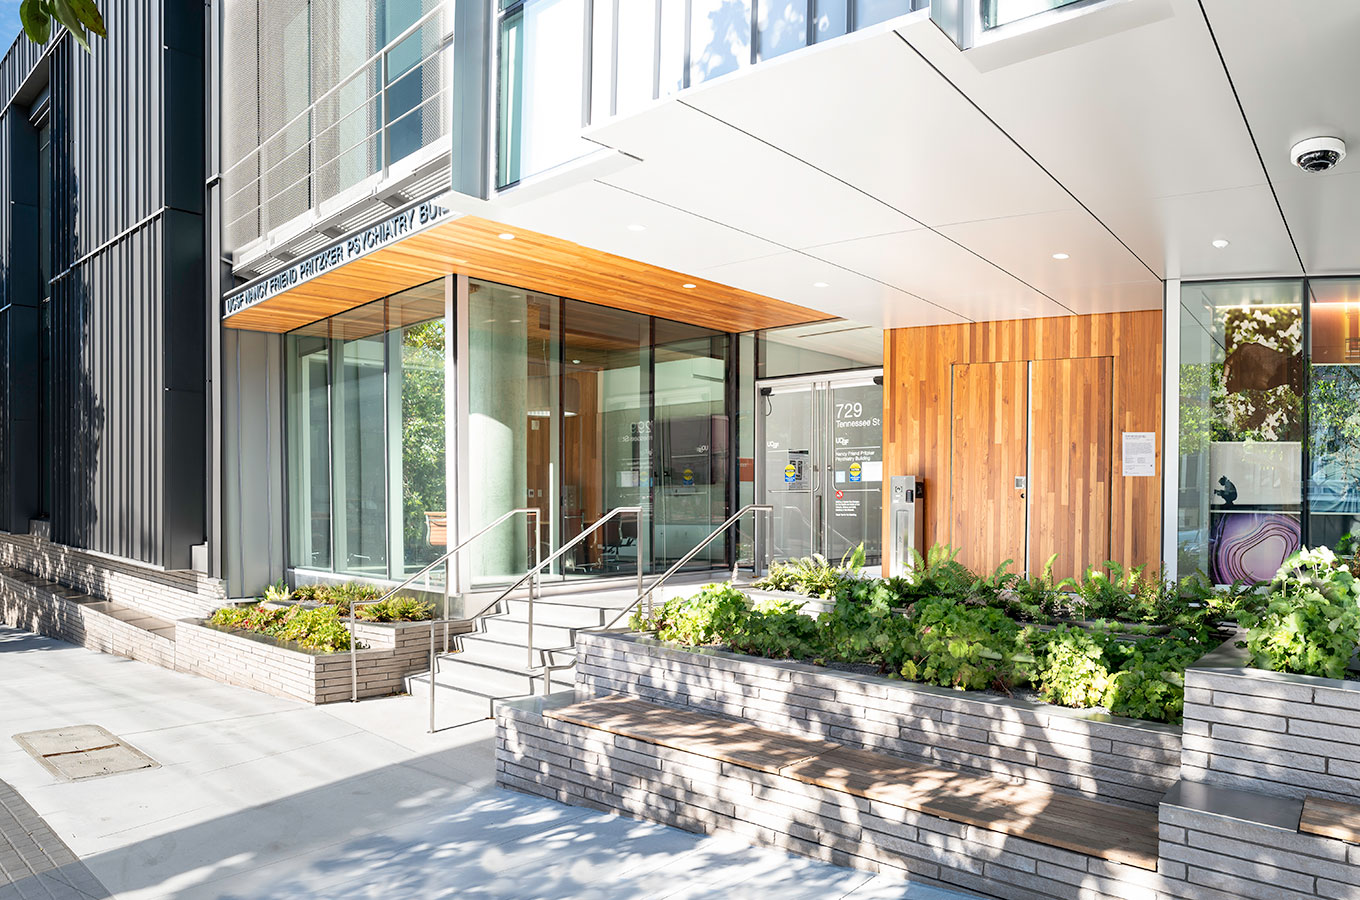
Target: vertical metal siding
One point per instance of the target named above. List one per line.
(129, 301)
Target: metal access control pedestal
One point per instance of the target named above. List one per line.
(906, 523)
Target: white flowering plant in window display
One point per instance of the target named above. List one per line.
(1256, 392)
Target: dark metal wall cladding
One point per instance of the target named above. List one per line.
(129, 300)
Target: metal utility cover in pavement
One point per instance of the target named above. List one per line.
(79, 752)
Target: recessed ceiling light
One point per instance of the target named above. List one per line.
(506, 236)
(575, 362)
(819, 284)
(688, 286)
(1220, 243)
(1060, 256)
(637, 227)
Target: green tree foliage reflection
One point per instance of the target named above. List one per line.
(424, 485)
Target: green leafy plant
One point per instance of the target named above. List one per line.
(278, 592)
(936, 574)
(863, 626)
(707, 617)
(76, 15)
(396, 609)
(1310, 623)
(1070, 666)
(965, 647)
(337, 595)
(813, 575)
(315, 629)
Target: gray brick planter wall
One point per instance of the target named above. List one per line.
(164, 594)
(266, 665)
(36, 608)
(1078, 750)
(586, 767)
(1287, 735)
(1222, 844)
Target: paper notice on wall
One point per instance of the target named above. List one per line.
(1140, 453)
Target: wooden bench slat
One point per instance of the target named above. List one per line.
(1331, 818)
(1091, 827)
(725, 740)
(1084, 826)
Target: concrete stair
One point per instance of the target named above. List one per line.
(492, 663)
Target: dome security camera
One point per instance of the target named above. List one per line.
(1318, 154)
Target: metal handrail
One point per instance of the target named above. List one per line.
(646, 594)
(547, 668)
(596, 526)
(535, 513)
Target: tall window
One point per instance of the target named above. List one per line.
(543, 77)
(1241, 428)
(366, 411)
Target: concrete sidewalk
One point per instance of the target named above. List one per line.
(261, 797)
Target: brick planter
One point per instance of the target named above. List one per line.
(1079, 750)
(812, 606)
(286, 670)
(1269, 732)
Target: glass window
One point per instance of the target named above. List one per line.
(514, 395)
(605, 454)
(309, 446)
(829, 19)
(1334, 411)
(542, 93)
(636, 37)
(782, 26)
(690, 440)
(416, 320)
(1002, 12)
(720, 38)
(367, 488)
(819, 347)
(871, 12)
(359, 446)
(1241, 428)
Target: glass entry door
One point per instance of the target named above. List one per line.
(822, 465)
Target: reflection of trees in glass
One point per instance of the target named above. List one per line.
(1334, 433)
(1256, 392)
(1197, 416)
(422, 435)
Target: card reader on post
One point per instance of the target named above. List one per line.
(906, 523)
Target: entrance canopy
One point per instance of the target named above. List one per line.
(427, 241)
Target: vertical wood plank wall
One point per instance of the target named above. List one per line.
(1069, 479)
(990, 425)
(917, 407)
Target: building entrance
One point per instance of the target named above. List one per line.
(821, 466)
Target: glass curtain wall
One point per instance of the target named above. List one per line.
(578, 409)
(1334, 411)
(1242, 423)
(365, 452)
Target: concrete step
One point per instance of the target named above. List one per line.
(485, 681)
(122, 612)
(510, 631)
(580, 612)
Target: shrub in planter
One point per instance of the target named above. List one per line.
(1310, 623)
(1070, 667)
(315, 629)
(396, 609)
(708, 617)
(813, 576)
(968, 647)
(862, 627)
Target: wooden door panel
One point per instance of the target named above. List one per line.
(990, 423)
(1069, 491)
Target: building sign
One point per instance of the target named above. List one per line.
(382, 234)
(1140, 453)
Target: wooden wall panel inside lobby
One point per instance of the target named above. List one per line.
(918, 367)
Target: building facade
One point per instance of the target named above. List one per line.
(317, 289)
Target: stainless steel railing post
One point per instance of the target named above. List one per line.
(432, 680)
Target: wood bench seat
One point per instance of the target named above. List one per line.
(1091, 827)
(1331, 818)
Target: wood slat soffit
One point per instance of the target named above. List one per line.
(472, 246)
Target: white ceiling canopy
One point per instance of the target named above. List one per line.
(891, 178)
